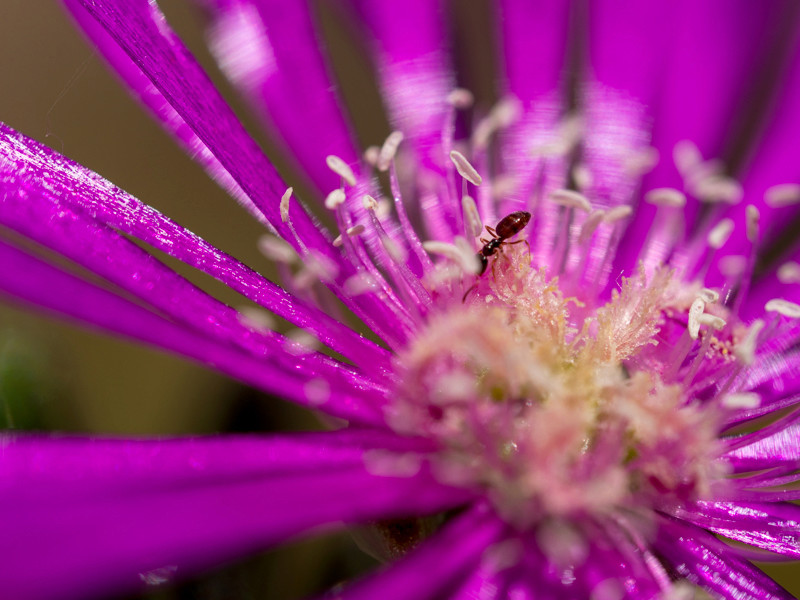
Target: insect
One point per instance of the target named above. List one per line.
(509, 226)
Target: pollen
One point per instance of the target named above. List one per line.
(554, 408)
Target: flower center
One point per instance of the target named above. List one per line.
(556, 408)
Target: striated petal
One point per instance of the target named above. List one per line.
(43, 189)
(142, 32)
(772, 163)
(160, 107)
(270, 50)
(718, 48)
(34, 281)
(770, 526)
(707, 562)
(451, 555)
(183, 505)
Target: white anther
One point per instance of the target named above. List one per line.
(317, 391)
(641, 161)
(472, 218)
(316, 267)
(503, 185)
(590, 224)
(571, 199)
(745, 350)
(301, 342)
(718, 189)
(389, 149)
(712, 321)
(353, 231)
(341, 168)
(371, 155)
(394, 250)
(460, 98)
(369, 202)
(506, 112)
(274, 248)
(256, 318)
(695, 310)
(742, 400)
(733, 265)
(753, 217)
(783, 307)
(789, 272)
(461, 256)
(360, 283)
(785, 194)
(613, 215)
(583, 176)
(287, 195)
(464, 168)
(665, 197)
(708, 295)
(335, 199)
(720, 233)
(686, 156)
(483, 131)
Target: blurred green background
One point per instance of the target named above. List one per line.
(60, 377)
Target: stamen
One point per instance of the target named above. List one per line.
(719, 189)
(686, 156)
(341, 168)
(285, 205)
(785, 194)
(461, 98)
(369, 202)
(256, 319)
(275, 248)
(745, 350)
(388, 150)
(316, 267)
(472, 219)
(592, 221)
(335, 199)
(666, 197)
(720, 233)
(354, 231)
(742, 400)
(708, 295)
(617, 213)
(695, 310)
(360, 283)
(317, 391)
(789, 272)
(464, 168)
(582, 176)
(571, 199)
(467, 260)
(712, 321)
(302, 342)
(783, 307)
(753, 217)
(641, 161)
(371, 155)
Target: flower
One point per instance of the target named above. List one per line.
(576, 402)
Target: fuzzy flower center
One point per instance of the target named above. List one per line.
(553, 407)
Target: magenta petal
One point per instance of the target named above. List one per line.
(31, 170)
(773, 162)
(31, 280)
(707, 562)
(439, 566)
(270, 50)
(159, 106)
(770, 526)
(182, 505)
(718, 47)
(414, 71)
